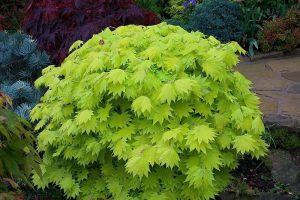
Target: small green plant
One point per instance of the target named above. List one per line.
(280, 188)
(268, 138)
(146, 113)
(152, 5)
(239, 187)
(17, 154)
(286, 139)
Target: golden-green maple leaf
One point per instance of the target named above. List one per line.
(119, 120)
(138, 164)
(168, 156)
(176, 134)
(251, 100)
(124, 133)
(116, 89)
(141, 105)
(229, 159)
(152, 53)
(184, 86)
(117, 76)
(120, 149)
(260, 150)
(161, 113)
(172, 64)
(203, 109)
(84, 116)
(167, 93)
(76, 45)
(182, 109)
(257, 125)
(212, 159)
(202, 133)
(214, 69)
(237, 116)
(244, 143)
(103, 113)
(199, 177)
(225, 139)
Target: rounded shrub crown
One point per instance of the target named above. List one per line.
(146, 113)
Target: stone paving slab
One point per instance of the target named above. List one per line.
(277, 83)
(285, 169)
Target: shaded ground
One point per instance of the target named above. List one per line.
(274, 178)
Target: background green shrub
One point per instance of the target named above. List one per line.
(146, 113)
(281, 34)
(152, 5)
(219, 18)
(20, 64)
(169, 9)
(176, 10)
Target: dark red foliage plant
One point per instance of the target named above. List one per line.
(282, 34)
(57, 24)
(1, 22)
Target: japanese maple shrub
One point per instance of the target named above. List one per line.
(17, 154)
(21, 62)
(146, 113)
(58, 24)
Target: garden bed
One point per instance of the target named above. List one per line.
(135, 99)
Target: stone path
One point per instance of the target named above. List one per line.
(285, 169)
(277, 83)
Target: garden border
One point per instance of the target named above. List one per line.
(274, 54)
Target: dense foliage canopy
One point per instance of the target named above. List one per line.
(146, 113)
(58, 24)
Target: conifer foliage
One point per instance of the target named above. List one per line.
(146, 113)
(20, 64)
(58, 24)
(219, 18)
